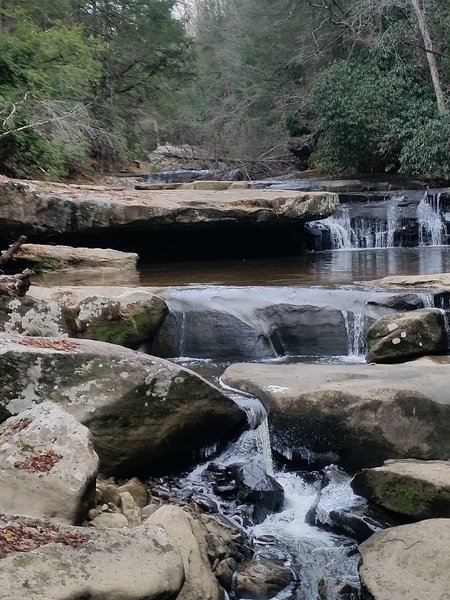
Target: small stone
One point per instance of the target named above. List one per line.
(93, 513)
(130, 510)
(138, 491)
(112, 520)
(396, 341)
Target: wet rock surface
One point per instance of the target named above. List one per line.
(364, 413)
(336, 510)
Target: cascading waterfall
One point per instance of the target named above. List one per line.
(429, 218)
(348, 233)
(355, 326)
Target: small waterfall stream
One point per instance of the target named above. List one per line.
(320, 559)
(417, 219)
(431, 226)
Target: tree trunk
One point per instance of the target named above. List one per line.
(428, 45)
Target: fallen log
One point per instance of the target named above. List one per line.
(16, 286)
(8, 254)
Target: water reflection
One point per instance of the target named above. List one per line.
(322, 268)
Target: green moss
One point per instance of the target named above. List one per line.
(129, 332)
(414, 498)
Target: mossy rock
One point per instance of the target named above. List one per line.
(416, 489)
(125, 324)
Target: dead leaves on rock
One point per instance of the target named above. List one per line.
(20, 424)
(24, 537)
(39, 463)
(63, 345)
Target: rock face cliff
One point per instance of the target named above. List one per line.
(65, 213)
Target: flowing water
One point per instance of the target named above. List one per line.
(315, 307)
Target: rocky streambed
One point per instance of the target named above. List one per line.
(212, 512)
(204, 442)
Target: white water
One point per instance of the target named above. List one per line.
(355, 326)
(350, 233)
(319, 555)
(431, 226)
(360, 232)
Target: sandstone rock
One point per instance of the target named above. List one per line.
(40, 561)
(417, 489)
(436, 280)
(57, 258)
(144, 413)
(47, 466)
(240, 185)
(130, 509)
(40, 209)
(364, 413)
(110, 520)
(224, 572)
(182, 530)
(401, 337)
(138, 491)
(124, 316)
(408, 562)
(212, 185)
(108, 493)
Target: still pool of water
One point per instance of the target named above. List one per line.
(321, 268)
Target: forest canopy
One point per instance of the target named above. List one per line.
(345, 85)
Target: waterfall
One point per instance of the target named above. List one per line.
(429, 219)
(263, 445)
(355, 326)
(347, 233)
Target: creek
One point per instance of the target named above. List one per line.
(310, 308)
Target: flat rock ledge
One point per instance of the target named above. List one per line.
(68, 258)
(37, 208)
(417, 489)
(436, 280)
(365, 414)
(408, 562)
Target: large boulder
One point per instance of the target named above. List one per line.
(364, 413)
(42, 561)
(408, 562)
(120, 315)
(47, 466)
(404, 336)
(417, 489)
(144, 413)
(188, 536)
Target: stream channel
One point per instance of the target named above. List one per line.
(310, 308)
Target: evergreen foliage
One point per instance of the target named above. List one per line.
(85, 84)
